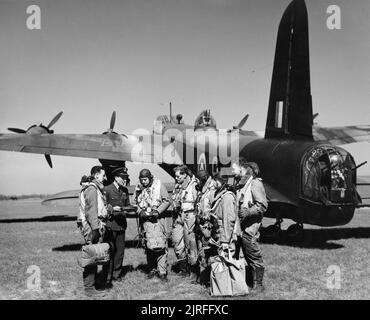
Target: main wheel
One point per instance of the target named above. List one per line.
(271, 233)
(295, 232)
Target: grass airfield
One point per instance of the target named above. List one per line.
(47, 237)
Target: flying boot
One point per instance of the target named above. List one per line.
(184, 268)
(194, 274)
(249, 276)
(258, 279)
(95, 294)
(152, 273)
(163, 277)
(204, 276)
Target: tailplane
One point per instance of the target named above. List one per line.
(290, 104)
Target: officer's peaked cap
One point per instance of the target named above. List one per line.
(120, 172)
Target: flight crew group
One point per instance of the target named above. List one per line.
(210, 216)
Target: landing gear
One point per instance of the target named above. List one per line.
(273, 232)
(296, 234)
(295, 230)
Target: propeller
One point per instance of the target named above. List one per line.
(112, 121)
(48, 160)
(39, 125)
(16, 130)
(39, 129)
(242, 122)
(111, 125)
(314, 116)
(54, 120)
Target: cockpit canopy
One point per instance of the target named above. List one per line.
(165, 119)
(205, 121)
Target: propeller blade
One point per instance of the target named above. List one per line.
(112, 120)
(16, 130)
(55, 119)
(48, 159)
(242, 122)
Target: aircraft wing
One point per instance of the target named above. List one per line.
(342, 135)
(110, 146)
(62, 199)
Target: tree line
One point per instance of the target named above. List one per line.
(23, 196)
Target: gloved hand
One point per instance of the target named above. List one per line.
(142, 214)
(153, 216)
(242, 214)
(95, 236)
(154, 213)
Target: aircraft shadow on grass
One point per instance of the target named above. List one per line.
(125, 269)
(41, 219)
(77, 246)
(129, 244)
(311, 239)
(318, 238)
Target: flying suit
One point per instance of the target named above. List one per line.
(252, 203)
(154, 197)
(224, 232)
(183, 231)
(203, 225)
(93, 212)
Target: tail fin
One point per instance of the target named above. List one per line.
(290, 104)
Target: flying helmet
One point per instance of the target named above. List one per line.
(145, 173)
(255, 168)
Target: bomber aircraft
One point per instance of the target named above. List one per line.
(308, 177)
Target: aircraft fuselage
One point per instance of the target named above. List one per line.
(316, 182)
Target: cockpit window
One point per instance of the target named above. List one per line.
(204, 120)
(163, 118)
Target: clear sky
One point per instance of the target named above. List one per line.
(135, 56)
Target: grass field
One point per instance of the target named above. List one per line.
(35, 235)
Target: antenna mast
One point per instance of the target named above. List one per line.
(170, 112)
